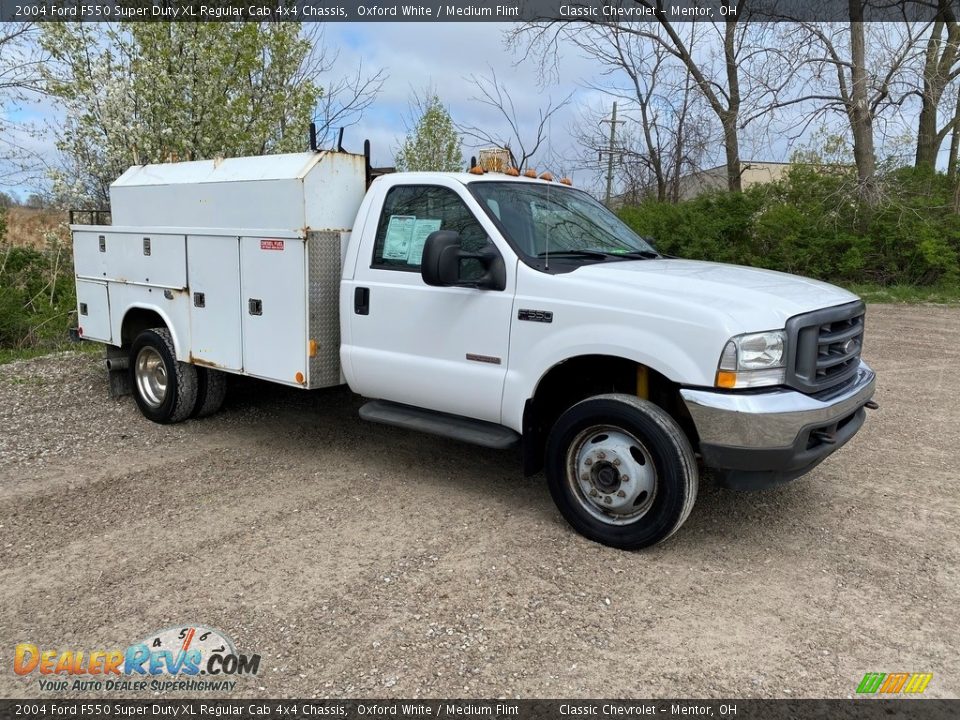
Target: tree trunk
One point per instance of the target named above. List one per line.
(940, 59)
(954, 142)
(858, 109)
(731, 145)
(729, 119)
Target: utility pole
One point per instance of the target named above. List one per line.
(610, 151)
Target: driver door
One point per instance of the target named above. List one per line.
(441, 348)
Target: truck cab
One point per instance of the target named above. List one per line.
(500, 310)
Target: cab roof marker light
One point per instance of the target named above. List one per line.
(547, 176)
(512, 172)
(566, 181)
(531, 173)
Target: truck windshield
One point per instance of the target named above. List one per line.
(549, 221)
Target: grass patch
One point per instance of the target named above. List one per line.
(908, 294)
(9, 355)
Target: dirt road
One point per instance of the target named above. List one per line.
(361, 560)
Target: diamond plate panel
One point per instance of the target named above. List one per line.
(323, 276)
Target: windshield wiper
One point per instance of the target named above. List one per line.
(602, 254)
(647, 254)
(575, 253)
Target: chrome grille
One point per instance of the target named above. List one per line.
(825, 347)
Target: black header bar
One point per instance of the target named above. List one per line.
(601, 11)
(858, 709)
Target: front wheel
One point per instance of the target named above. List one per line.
(621, 471)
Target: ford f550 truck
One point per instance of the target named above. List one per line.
(495, 309)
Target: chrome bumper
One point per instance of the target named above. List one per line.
(768, 437)
(773, 419)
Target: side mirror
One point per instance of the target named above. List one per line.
(445, 263)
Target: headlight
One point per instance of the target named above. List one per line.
(753, 360)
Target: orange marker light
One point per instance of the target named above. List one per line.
(547, 176)
(531, 173)
(299, 377)
(726, 379)
(512, 172)
(312, 348)
(476, 170)
(566, 181)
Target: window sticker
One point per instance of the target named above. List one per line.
(400, 229)
(421, 229)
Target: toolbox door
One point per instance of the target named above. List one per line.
(93, 310)
(273, 305)
(213, 264)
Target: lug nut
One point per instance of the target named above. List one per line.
(607, 500)
(588, 461)
(616, 462)
(621, 494)
(624, 478)
(602, 455)
(593, 492)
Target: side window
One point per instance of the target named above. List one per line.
(410, 213)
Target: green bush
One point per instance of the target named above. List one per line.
(37, 294)
(812, 223)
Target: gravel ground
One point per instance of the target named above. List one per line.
(361, 560)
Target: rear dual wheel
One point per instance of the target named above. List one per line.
(621, 471)
(167, 390)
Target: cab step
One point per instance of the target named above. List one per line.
(457, 427)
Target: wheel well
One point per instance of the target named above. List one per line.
(576, 379)
(136, 321)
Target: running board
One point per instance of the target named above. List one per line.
(475, 432)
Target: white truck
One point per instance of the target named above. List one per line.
(495, 309)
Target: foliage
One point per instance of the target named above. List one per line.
(812, 224)
(433, 143)
(37, 294)
(136, 93)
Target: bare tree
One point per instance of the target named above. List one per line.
(857, 69)
(522, 144)
(20, 64)
(941, 65)
(665, 131)
(718, 63)
(345, 96)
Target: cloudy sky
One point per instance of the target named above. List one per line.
(414, 56)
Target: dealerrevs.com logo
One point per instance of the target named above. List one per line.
(191, 657)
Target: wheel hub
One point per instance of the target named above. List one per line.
(151, 375)
(612, 474)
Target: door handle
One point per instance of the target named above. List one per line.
(361, 301)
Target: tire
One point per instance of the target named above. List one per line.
(164, 388)
(211, 390)
(621, 471)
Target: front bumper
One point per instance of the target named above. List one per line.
(754, 440)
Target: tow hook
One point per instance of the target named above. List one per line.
(871, 405)
(824, 436)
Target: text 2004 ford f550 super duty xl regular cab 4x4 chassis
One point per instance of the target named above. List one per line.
(481, 306)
